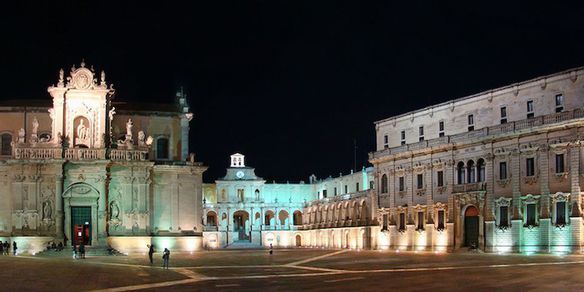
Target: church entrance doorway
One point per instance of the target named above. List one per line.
(241, 225)
(471, 226)
(81, 225)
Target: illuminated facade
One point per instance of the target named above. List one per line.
(242, 210)
(502, 170)
(87, 169)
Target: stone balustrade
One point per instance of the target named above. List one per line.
(37, 153)
(84, 154)
(129, 155)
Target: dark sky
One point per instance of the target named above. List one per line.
(290, 84)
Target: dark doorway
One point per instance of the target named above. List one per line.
(298, 240)
(471, 226)
(240, 218)
(81, 225)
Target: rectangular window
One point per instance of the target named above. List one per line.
(324, 193)
(504, 216)
(530, 111)
(560, 163)
(530, 166)
(530, 216)
(356, 187)
(440, 219)
(385, 142)
(503, 170)
(441, 128)
(385, 222)
(420, 179)
(421, 133)
(420, 221)
(403, 137)
(346, 189)
(561, 213)
(371, 185)
(503, 115)
(559, 103)
(471, 122)
(440, 177)
(401, 183)
(402, 221)
(335, 190)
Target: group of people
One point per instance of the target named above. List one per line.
(5, 248)
(165, 255)
(55, 247)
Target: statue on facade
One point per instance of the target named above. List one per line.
(141, 138)
(115, 210)
(81, 131)
(21, 134)
(129, 126)
(47, 210)
(35, 126)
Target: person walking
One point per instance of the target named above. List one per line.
(150, 253)
(82, 250)
(14, 248)
(271, 249)
(1, 248)
(74, 250)
(165, 258)
(6, 247)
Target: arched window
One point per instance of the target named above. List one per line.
(470, 170)
(460, 173)
(384, 184)
(5, 144)
(162, 148)
(481, 170)
(257, 195)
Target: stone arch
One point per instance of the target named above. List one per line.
(269, 218)
(298, 240)
(211, 218)
(297, 217)
(471, 228)
(283, 217)
(460, 173)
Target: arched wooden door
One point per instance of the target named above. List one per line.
(471, 226)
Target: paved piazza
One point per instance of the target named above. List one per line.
(300, 269)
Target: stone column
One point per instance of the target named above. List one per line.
(544, 181)
(574, 154)
(490, 181)
(102, 208)
(59, 207)
(515, 183)
(184, 126)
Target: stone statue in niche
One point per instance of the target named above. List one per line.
(47, 210)
(115, 210)
(81, 131)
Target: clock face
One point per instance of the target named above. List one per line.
(239, 174)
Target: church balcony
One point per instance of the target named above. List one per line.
(268, 227)
(128, 155)
(40, 153)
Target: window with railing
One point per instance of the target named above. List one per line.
(471, 123)
(559, 103)
(530, 109)
(503, 115)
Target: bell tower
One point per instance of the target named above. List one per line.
(81, 110)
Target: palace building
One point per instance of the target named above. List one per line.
(501, 170)
(243, 210)
(80, 167)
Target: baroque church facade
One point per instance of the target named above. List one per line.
(85, 169)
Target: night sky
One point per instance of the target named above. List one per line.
(290, 84)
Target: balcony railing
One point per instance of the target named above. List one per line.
(484, 132)
(84, 154)
(469, 187)
(133, 155)
(339, 198)
(34, 153)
